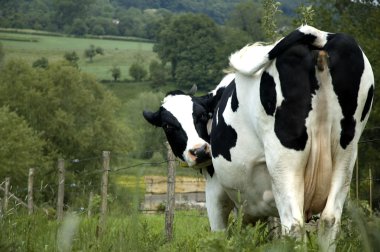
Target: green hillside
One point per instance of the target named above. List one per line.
(116, 52)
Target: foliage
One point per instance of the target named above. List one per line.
(79, 27)
(91, 52)
(115, 72)
(72, 58)
(21, 147)
(69, 110)
(157, 72)
(2, 53)
(188, 42)
(247, 17)
(137, 71)
(305, 15)
(41, 63)
(146, 138)
(271, 9)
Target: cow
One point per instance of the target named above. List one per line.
(288, 129)
(285, 131)
(186, 121)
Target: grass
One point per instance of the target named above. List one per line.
(142, 232)
(119, 53)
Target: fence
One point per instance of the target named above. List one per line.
(150, 182)
(169, 211)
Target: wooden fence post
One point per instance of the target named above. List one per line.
(170, 199)
(61, 188)
(30, 191)
(6, 194)
(104, 188)
(89, 209)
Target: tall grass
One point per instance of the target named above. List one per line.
(141, 232)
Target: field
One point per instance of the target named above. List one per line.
(116, 52)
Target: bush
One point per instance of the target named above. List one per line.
(137, 72)
(116, 72)
(72, 58)
(41, 63)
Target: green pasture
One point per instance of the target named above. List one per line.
(116, 52)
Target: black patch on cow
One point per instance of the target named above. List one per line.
(295, 37)
(367, 104)
(200, 119)
(346, 66)
(298, 83)
(210, 170)
(174, 132)
(234, 99)
(175, 92)
(268, 95)
(223, 136)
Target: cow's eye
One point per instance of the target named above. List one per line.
(168, 127)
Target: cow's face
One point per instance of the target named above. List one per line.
(184, 119)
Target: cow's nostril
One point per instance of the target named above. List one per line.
(193, 152)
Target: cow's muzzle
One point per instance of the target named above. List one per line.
(200, 154)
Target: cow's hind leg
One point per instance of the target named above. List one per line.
(285, 168)
(329, 224)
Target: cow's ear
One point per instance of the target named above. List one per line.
(210, 101)
(193, 90)
(153, 117)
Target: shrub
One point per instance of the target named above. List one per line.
(137, 71)
(41, 63)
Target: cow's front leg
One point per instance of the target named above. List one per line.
(218, 204)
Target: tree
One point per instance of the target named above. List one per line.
(2, 53)
(137, 71)
(189, 43)
(70, 111)
(91, 52)
(66, 11)
(21, 147)
(247, 17)
(72, 58)
(115, 72)
(79, 27)
(157, 72)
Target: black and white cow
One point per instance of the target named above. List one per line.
(186, 121)
(289, 129)
(285, 133)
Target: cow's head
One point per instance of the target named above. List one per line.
(184, 119)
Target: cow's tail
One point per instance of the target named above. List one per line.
(252, 58)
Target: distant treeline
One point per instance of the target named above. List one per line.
(117, 18)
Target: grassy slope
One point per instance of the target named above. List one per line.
(119, 53)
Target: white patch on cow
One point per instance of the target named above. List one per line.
(181, 107)
(251, 58)
(224, 83)
(321, 39)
